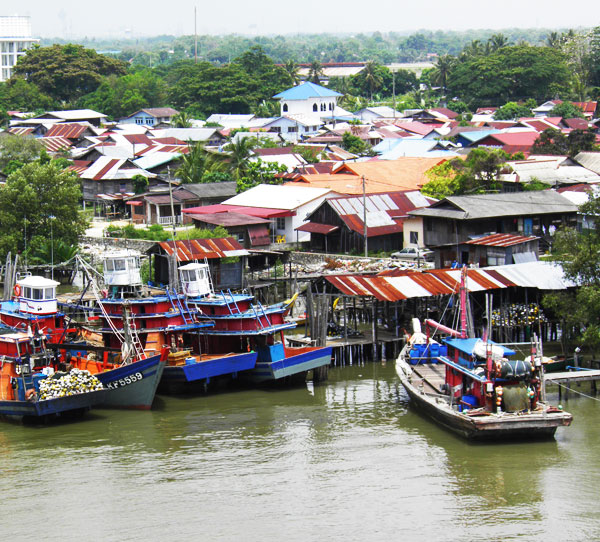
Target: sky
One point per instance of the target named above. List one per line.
(125, 19)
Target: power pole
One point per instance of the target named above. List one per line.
(365, 215)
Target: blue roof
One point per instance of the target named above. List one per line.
(466, 345)
(306, 90)
(476, 135)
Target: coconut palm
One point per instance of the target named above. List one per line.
(197, 162)
(441, 70)
(291, 68)
(239, 153)
(553, 39)
(497, 41)
(182, 120)
(373, 78)
(315, 72)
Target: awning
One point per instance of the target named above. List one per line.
(259, 235)
(314, 227)
(134, 202)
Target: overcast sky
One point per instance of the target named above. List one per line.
(123, 18)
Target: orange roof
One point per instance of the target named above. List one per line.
(342, 184)
(406, 173)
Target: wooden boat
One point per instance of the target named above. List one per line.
(131, 380)
(20, 381)
(472, 388)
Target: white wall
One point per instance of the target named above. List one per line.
(305, 107)
(413, 224)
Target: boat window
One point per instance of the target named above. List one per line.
(119, 265)
(49, 294)
(108, 265)
(185, 275)
(27, 292)
(37, 293)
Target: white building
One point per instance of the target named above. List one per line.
(308, 99)
(15, 39)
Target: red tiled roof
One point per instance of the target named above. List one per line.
(586, 107)
(576, 124)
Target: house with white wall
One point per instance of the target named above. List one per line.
(308, 99)
(15, 40)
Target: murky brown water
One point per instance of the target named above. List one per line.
(346, 460)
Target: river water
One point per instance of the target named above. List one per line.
(344, 460)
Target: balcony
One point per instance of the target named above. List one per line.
(168, 220)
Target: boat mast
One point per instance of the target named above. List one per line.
(463, 303)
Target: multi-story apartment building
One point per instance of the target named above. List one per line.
(15, 39)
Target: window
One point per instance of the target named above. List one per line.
(139, 120)
(276, 129)
(315, 107)
(331, 107)
(495, 257)
(108, 265)
(323, 107)
(285, 108)
(49, 293)
(280, 223)
(307, 128)
(37, 293)
(27, 292)
(414, 237)
(292, 129)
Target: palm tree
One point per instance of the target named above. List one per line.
(315, 72)
(497, 41)
(475, 48)
(239, 152)
(197, 162)
(182, 120)
(553, 39)
(443, 67)
(291, 68)
(373, 79)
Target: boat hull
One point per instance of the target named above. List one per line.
(212, 367)
(290, 366)
(133, 386)
(57, 406)
(508, 426)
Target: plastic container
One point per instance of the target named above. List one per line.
(470, 400)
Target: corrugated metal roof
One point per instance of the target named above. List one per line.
(306, 90)
(55, 144)
(198, 249)
(313, 227)
(410, 283)
(501, 240)
(71, 131)
(21, 131)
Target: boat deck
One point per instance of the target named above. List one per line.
(433, 375)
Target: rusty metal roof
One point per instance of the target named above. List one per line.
(314, 227)
(501, 240)
(198, 249)
(55, 144)
(70, 131)
(407, 284)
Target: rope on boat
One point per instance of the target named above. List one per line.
(577, 392)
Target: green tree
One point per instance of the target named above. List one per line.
(67, 72)
(315, 72)
(441, 71)
(567, 110)
(510, 74)
(260, 172)
(443, 181)
(578, 253)
(182, 120)
(35, 196)
(197, 162)
(140, 184)
(20, 95)
(291, 69)
(373, 79)
(554, 142)
(512, 111)
(497, 41)
(239, 152)
(353, 143)
(14, 148)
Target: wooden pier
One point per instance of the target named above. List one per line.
(353, 350)
(566, 378)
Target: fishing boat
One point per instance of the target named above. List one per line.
(473, 387)
(131, 376)
(261, 329)
(24, 379)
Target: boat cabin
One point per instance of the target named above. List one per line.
(195, 279)
(122, 271)
(36, 295)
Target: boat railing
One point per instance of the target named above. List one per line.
(177, 308)
(234, 301)
(257, 317)
(264, 313)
